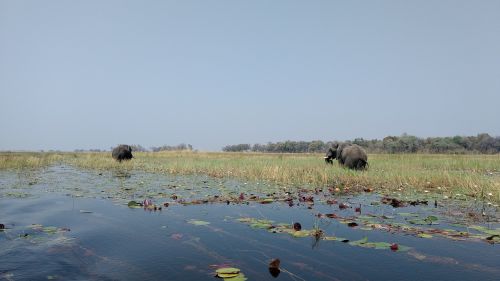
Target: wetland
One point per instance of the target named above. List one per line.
(82, 217)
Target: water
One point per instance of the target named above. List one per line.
(85, 231)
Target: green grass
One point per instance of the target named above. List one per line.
(474, 175)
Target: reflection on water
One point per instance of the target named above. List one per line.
(92, 235)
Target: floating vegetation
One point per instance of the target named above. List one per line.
(384, 223)
(134, 204)
(377, 219)
(39, 234)
(289, 229)
(430, 220)
(230, 274)
(471, 176)
(364, 243)
(482, 233)
(198, 222)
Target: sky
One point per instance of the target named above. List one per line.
(94, 74)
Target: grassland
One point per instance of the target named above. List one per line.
(473, 175)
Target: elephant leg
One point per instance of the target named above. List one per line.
(350, 163)
(341, 161)
(361, 164)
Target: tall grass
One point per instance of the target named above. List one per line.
(476, 175)
(27, 160)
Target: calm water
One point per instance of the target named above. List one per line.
(66, 224)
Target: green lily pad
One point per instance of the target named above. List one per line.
(431, 218)
(388, 217)
(333, 238)
(50, 229)
(198, 222)
(408, 214)
(230, 273)
(424, 235)
(300, 233)
(376, 245)
(366, 228)
(365, 217)
(261, 225)
(134, 204)
(380, 245)
(239, 277)
(228, 270)
(485, 230)
(358, 242)
(267, 200)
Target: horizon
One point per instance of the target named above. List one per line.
(91, 75)
(150, 148)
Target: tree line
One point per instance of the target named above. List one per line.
(482, 143)
(140, 148)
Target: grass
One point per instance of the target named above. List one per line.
(27, 160)
(474, 175)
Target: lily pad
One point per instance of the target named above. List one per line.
(198, 222)
(430, 220)
(485, 230)
(408, 214)
(300, 233)
(333, 238)
(50, 229)
(227, 272)
(134, 204)
(239, 277)
(377, 245)
(266, 201)
(227, 275)
(261, 225)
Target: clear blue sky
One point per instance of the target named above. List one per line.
(93, 74)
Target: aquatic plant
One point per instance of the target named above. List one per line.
(477, 176)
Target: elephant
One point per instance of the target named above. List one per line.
(330, 155)
(349, 155)
(334, 151)
(122, 152)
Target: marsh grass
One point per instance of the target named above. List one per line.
(474, 175)
(28, 160)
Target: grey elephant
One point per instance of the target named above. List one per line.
(330, 155)
(122, 152)
(349, 155)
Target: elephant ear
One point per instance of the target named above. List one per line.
(341, 148)
(331, 153)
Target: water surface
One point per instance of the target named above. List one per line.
(67, 224)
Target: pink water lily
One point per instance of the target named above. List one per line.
(147, 202)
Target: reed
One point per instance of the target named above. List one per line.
(474, 175)
(28, 160)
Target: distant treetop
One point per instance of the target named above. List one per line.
(482, 143)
